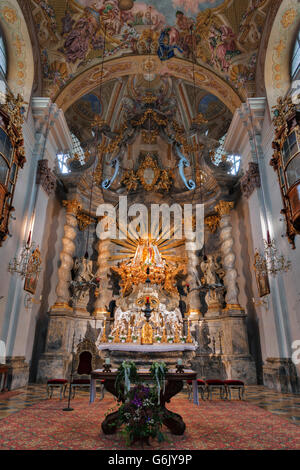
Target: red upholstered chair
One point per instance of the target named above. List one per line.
(57, 383)
(234, 384)
(84, 368)
(201, 388)
(212, 384)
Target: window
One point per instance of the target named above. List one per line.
(3, 59)
(62, 159)
(296, 58)
(3, 69)
(77, 149)
(236, 163)
(234, 159)
(76, 153)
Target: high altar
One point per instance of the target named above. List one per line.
(145, 295)
(146, 323)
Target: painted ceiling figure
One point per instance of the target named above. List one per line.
(77, 42)
(223, 46)
(165, 50)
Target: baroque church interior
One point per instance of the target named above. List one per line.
(149, 223)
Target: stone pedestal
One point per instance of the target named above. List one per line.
(280, 374)
(223, 349)
(18, 373)
(57, 359)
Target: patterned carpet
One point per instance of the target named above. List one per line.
(212, 425)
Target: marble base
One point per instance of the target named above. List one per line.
(18, 373)
(53, 366)
(223, 367)
(280, 374)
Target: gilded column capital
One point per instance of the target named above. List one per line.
(84, 220)
(212, 221)
(73, 206)
(224, 207)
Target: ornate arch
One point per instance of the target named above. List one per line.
(115, 68)
(280, 45)
(19, 50)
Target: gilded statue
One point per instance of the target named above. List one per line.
(147, 334)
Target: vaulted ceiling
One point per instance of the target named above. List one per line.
(73, 34)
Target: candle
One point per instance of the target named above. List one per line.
(147, 300)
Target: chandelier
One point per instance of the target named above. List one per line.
(28, 263)
(271, 262)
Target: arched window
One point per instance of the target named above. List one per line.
(3, 57)
(220, 153)
(3, 68)
(296, 59)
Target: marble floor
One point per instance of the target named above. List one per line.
(285, 405)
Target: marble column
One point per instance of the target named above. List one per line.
(223, 208)
(103, 299)
(194, 296)
(66, 255)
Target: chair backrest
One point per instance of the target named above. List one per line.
(85, 363)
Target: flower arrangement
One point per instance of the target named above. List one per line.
(122, 339)
(135, 338)
(170, 339)
(110, 338)
(183, 339)
(158, 338)
(140, 416)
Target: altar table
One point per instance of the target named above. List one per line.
(156, 347)
(174, 384)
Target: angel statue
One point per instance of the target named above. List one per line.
(83, 269)
(209, 268)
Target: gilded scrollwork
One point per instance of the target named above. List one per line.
(156, 180)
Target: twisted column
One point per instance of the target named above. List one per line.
(66, 255)
(194, 296)
(223, 208)
(102, 300)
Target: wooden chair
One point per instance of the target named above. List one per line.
(84, 368)
(212, 384)
(57, 383)
(234, 385)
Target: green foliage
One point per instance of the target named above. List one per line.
(127, 374)
(141, 416)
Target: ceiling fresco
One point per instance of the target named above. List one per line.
(224, 35)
